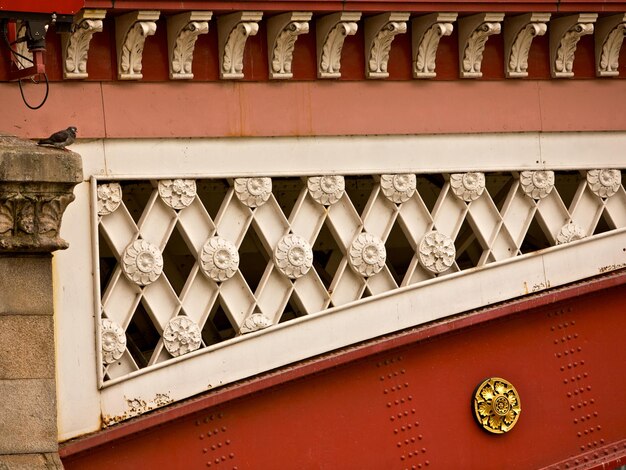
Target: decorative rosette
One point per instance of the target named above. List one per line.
(569, 233)
(436, 252)
(293, 256)
(326, 190)
(253, 192)
(109, 197)
(537, 184)
(219, 259)
(467, 186)
(604, 183)
(256, 321)
(398, 188)
(497, 405)
(142, 262)
(181, 336)
(177, 193)
(367, 254)
(113, 341)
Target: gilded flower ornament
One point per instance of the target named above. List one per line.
(467, 186)
(537, 184)
(255, 322)
(367, 254)
(326, 190)
(293, 256)
(569, 233)
(219, 259)
(436, 252)
(253, 192)
(113, 341)
(177, 193)
(181, 336)
(109, 198)
(398, 188)
(496, 405)
(604, 183)
(142, 262)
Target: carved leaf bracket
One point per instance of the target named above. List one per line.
(182, 33)
(332, 31)
(131, 31)
(474, 31)
(565, 32)
(75, 44)
(426, 32)
(233, 31)
(519, 32)
(609, 38)
(282, 34)
(380, 31)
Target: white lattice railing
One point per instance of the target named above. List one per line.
(184, 264)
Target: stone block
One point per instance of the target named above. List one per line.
(49, 461)
(26, 347)
(26, 285)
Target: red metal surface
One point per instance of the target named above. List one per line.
(63, 7)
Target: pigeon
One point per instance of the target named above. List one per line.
(60, 139)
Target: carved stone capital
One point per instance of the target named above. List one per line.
(131, 31)
(565, 32)
(332, 31)
(75, 44)
(426, 32)
(474, 31)
(282, 34)
(609, 38)
(380, 31)
(182, 33)
(233, 31)
(519, 32)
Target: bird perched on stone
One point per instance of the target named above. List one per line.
(60, 139)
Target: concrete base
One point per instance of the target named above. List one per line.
(48, 461)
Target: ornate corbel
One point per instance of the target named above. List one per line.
(474, 31)
(233, 31)
(75, 44)
(331, 33)
(282, 34)
(426, 32)
(380, 31)
(519, 32)
(565, 32)
(609, 37)
(131, 31)
(22, 48)
(182, 33)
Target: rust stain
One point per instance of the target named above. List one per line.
(611, 267)
(136, 407)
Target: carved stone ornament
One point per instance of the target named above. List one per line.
(436, 252)
(537, 184)
(255, 322)
(142, 262)
(367, 255)
(565, 32)
(609, 38)
(109, 196)
(474, 31)
(282, 34)
(75, 44)
(22, 48)
(131, 31)
(219, 259)
(467, 186)
(497, 405)
(398, 188)
(604, 183)
(426, 32)
(182, 33)
(177, 193)
(332, 31)
(326, 190)
(519, 32)
(233, 31)
(569, 233)
(293, 256)
(380, 31)
(113, 339)
(181, 336)
(253, 192)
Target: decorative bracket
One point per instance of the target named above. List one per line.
(131, 31)
(565, 32)
(182, 33)
(75, 44)
(331, 33)
(282, 34)
(519, 32)
(233, 31)
(380, 31)
(426, 32)
(609, 37)
(474, 31)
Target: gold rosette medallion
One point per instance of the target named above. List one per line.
(496, 405)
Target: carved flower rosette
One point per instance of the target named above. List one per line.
(398, 188)
(293, 256)
(326, 190)
(113, 341)
(569, 233)
(436, 252)
(255, 322)
(467, 186)
(253, 192)
(496, 405)
(177, 193)
(142, 262)
(537, 184)
(219, 259)
(367, 255)
(109, 197)
(181, 336)
(604, 183)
